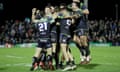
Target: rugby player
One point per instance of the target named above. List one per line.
(65, 36)
(81, 32)
(44, 43)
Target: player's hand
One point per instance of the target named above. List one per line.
(34, 10)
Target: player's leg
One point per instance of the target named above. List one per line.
(85, 44)
(42, 59)
(63, 45)
(71, 59)
(55, 47)
(54, 41)
(35, 59)
(64, 52)
(49, 55)
(79, 44)
(77, 41)
(36, 56)
(56, 56)
(86, 48)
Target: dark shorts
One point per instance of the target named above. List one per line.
(44, 43)
(64, 38)
(81, 32)
(53, 37)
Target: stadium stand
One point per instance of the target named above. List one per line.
(18, 32)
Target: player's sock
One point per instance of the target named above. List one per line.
(53, 54)
(42, 60)
(34, 64)
(43, 57)
(68, 63)
(61, 64)
(87, 55)
(87, 50)
(35, 60)
(81, 49)
(73, 62)
(56, 60)
(49, 60)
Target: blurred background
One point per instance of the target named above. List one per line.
(20, 9)
(15, 26)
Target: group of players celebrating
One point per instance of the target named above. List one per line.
(57, 27)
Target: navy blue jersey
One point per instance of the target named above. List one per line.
(43, 29)
(54, 26)
(54, 29)
(81, 22)
(83, 19)
(65, 26)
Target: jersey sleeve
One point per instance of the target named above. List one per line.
(69, 6)
(51, 20)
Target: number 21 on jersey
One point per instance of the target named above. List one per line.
(42, 26)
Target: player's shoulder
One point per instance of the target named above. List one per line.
(82, 5)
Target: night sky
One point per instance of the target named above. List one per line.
(18, 9)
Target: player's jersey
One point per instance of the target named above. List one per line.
(54, 27)
(65, 26)
(43, 29)
(81, 21)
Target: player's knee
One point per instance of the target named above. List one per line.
(38, 50)
(49, 51)
(63, 46)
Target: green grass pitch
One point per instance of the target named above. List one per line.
(104, 59)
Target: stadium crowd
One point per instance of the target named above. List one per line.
(17, 32)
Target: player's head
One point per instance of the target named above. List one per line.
(47, 10)
(62, 6)
(56, 8)
(75, 5)
(52, 9)
(34, 10)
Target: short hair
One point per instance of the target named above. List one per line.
(63, 6)
(77, 4)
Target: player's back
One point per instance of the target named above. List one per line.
(43, 29)
(65, 25)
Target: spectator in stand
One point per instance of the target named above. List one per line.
(16, 31)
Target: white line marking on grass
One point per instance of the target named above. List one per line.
(108, 56)
(109, 64)
(11, 56)
(19, 64)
